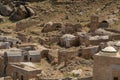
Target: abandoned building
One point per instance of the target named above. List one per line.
(88, 39)
(106, 64)
(4, 45)
(88, 52)
(20, 61)
(23, 71)
(64, 56)
(68, 40)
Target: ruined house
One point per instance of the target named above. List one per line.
(10, 60)
(69, 40)
(83, 38)
(86, 39)
(107, 64)
(96, 40)
(4, 45)
(13, 55)
(64, 56)
(88, 52)
(34, 56)
(23, 71)
(11, 40)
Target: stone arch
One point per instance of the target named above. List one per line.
(25, 58)
(30, 59)
(21, 77)
(104, 24)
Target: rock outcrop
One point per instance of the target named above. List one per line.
(5, 10)
(19, 13)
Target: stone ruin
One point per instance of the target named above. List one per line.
(20, 57)
(65, 56)
(68, 40)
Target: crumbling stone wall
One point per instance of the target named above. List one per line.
(65, 56)
(69, 42)
(88, 52)
(94, 23)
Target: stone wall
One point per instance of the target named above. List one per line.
(115, 37)
(88, 52)
(65, 56)
(19, 72)
(69, 43)
(106, 68)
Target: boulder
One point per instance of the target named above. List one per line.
(30, 11)
(47, 27)
(5, 10)
(19, 13)
(76, 73)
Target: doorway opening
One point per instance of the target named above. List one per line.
(115, 78)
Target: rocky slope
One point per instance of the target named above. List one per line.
(63, 11)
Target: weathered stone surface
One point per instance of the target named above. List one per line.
(30, 11)
(5, 10)
(68, 40)
(22, 37)
(70, 28)
(19, 13)
(76, 73)
(21, 25)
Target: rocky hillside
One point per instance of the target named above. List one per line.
(27, 21)
(79, 11)
(71, 11)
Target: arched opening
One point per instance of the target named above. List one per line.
(25, 58)
(104, 21)
(30, 59)
(104, 24)
(16, 75)
(80, 53)
(115, 78)
(22, 78)
(11, 44)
